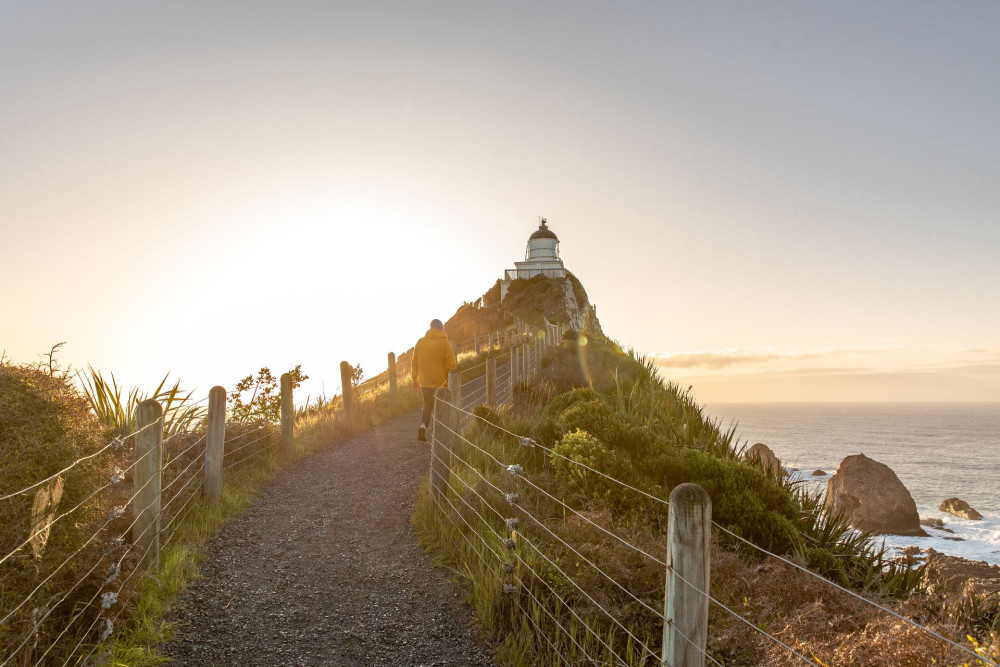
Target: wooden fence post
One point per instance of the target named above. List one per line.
(685, 605)
(345, 384)
(287, 416)
(392, 373)
(526, 362)
(454, 415)
(146, 482)
(491, 382)
(439, 438)
(476, 343)
(215, 444)
(515, 367)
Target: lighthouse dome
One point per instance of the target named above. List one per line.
(543, 232)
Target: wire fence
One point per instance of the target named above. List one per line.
(584, 601)
(71, 574)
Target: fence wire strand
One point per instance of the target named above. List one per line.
(117, 442)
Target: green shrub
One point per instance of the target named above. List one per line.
(581, 447)
(596, 418)
(265, 397)
(559, 404)
(745, 500)
(44, 426)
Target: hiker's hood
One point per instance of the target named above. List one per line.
(434, 333)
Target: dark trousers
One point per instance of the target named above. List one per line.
(429, 393)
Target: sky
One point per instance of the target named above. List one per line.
(776, 201)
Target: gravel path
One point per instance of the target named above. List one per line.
(325, 569)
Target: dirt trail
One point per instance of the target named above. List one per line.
(325, 569)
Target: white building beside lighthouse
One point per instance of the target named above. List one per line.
(541, 258)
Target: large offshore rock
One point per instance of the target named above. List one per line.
(770, 462)
(872, 498)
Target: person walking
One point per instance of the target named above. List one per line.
(432, 359)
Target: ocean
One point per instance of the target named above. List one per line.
(938, 450)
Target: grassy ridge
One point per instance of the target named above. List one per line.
(598, 405)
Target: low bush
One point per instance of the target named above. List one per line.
(596, 418)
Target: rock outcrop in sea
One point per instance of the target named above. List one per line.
(959, 508)
(871, 498)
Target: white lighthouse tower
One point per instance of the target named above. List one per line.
(541, 258)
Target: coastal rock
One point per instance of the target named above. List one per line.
(818, 473)
(913, 556)
(768, 460)
(959, 508)
(871, 498)
(959, 578)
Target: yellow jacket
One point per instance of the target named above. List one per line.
(432, 359)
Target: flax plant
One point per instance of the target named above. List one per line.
(116, 406)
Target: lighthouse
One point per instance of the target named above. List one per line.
(541, 258)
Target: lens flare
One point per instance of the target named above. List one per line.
(581, 344)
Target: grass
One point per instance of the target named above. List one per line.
(606, 407)
(147, 625)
